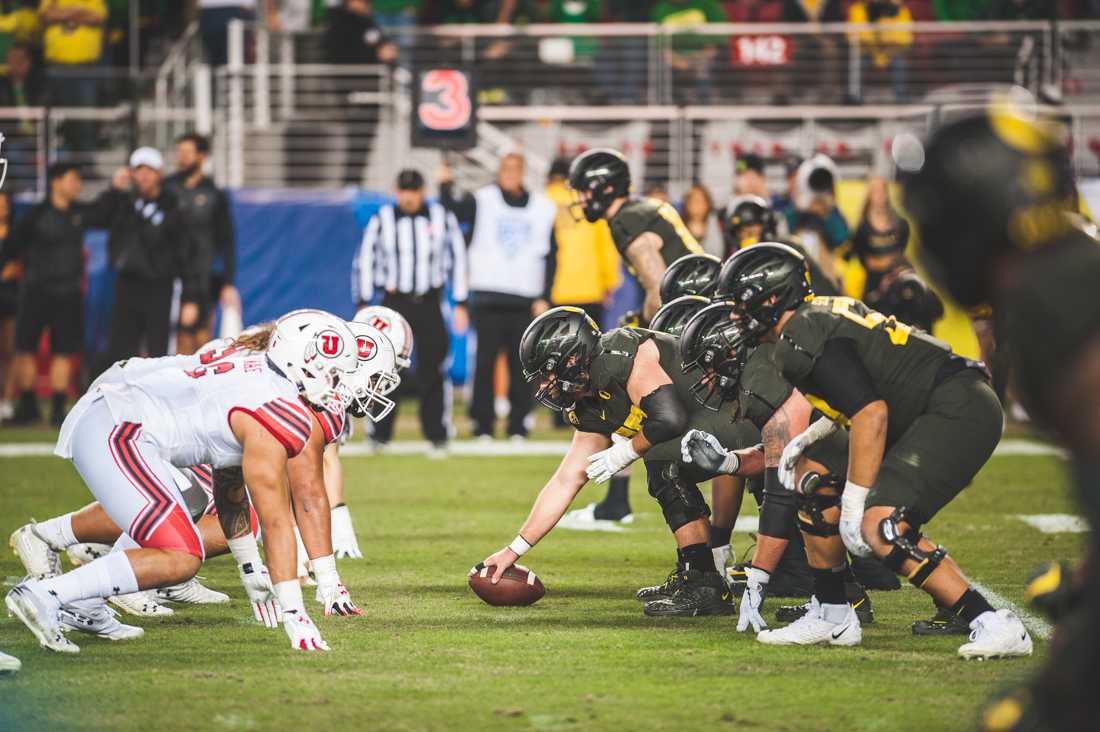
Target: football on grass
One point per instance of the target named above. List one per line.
(518, 586)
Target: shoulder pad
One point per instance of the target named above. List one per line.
(616, 356)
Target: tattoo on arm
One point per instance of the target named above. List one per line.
(644, 254)
(775, 436)
(231, 500)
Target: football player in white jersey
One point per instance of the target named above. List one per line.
(247, 410)
(37, 544)
(397, 330)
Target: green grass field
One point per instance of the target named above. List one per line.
(430, 655)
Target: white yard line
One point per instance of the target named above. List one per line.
(1034, 623)
(1055, 523)
(499, 448)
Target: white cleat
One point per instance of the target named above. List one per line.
(141, 604)
(812, 628)
(191, 592)
(81, 554)
(39, 612)
(95, 618)
(37, 555)
(996, 634)
(9, 664)
(584, 519)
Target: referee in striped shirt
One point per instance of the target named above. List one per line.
(410, 250)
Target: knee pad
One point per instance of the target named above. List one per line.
(905, 545)
(681, 501)
(811, 514)
(777, 515)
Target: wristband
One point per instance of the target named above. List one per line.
(854, 497)
(324, 569)
(520, 545)
(731, 464)
(290, 595)
(245, 550)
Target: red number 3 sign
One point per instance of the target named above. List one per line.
(445, 95)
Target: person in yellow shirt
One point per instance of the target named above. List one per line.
(589, 267)
(72, 44)
(888, 44)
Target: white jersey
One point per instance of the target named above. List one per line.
(184, 403)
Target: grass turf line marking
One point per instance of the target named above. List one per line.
(1055, 523)
(533, 448)
(1035, 624)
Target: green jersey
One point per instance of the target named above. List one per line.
(609, 410)
(762, 389)
(640, 215)
(903, 365)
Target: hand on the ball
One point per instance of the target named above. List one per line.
(500, 562)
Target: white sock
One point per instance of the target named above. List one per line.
(109, 575)
(834, 613)
(57, 532)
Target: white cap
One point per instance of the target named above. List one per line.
(147, 156)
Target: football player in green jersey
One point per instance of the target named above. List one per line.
(648, 233)
(997, 210)
(623, 392)
(922, 421)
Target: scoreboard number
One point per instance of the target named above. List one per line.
(446, 110)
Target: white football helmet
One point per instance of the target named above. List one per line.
(316, 351)
(376, 376)
(394, 326)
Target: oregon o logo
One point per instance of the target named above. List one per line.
(332, 345)
(367, 348)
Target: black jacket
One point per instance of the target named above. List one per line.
(352, 38)
(50, 242)
(210, 220)
(148, 240)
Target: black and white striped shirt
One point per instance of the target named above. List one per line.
(410, 253)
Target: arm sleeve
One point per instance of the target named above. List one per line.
(551, 267)
(362, 280)
(225, 237)
(187, 257)
(666, 415)
(841, 379)
(19, 238)
(457, 248)
(463, 206)
(99, 213)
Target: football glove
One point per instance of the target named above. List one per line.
(851, 519)
(344, 543)
(303, 634)
(819, 430)
(605, 463)
(752, 599)
(257, 585)
(336, 600)
(703, 449)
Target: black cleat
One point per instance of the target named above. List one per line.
(665, 589)
(699, 593)
(611, 511)
(737, 579)
(1050, 590)
(944, 622)
(859, 599)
